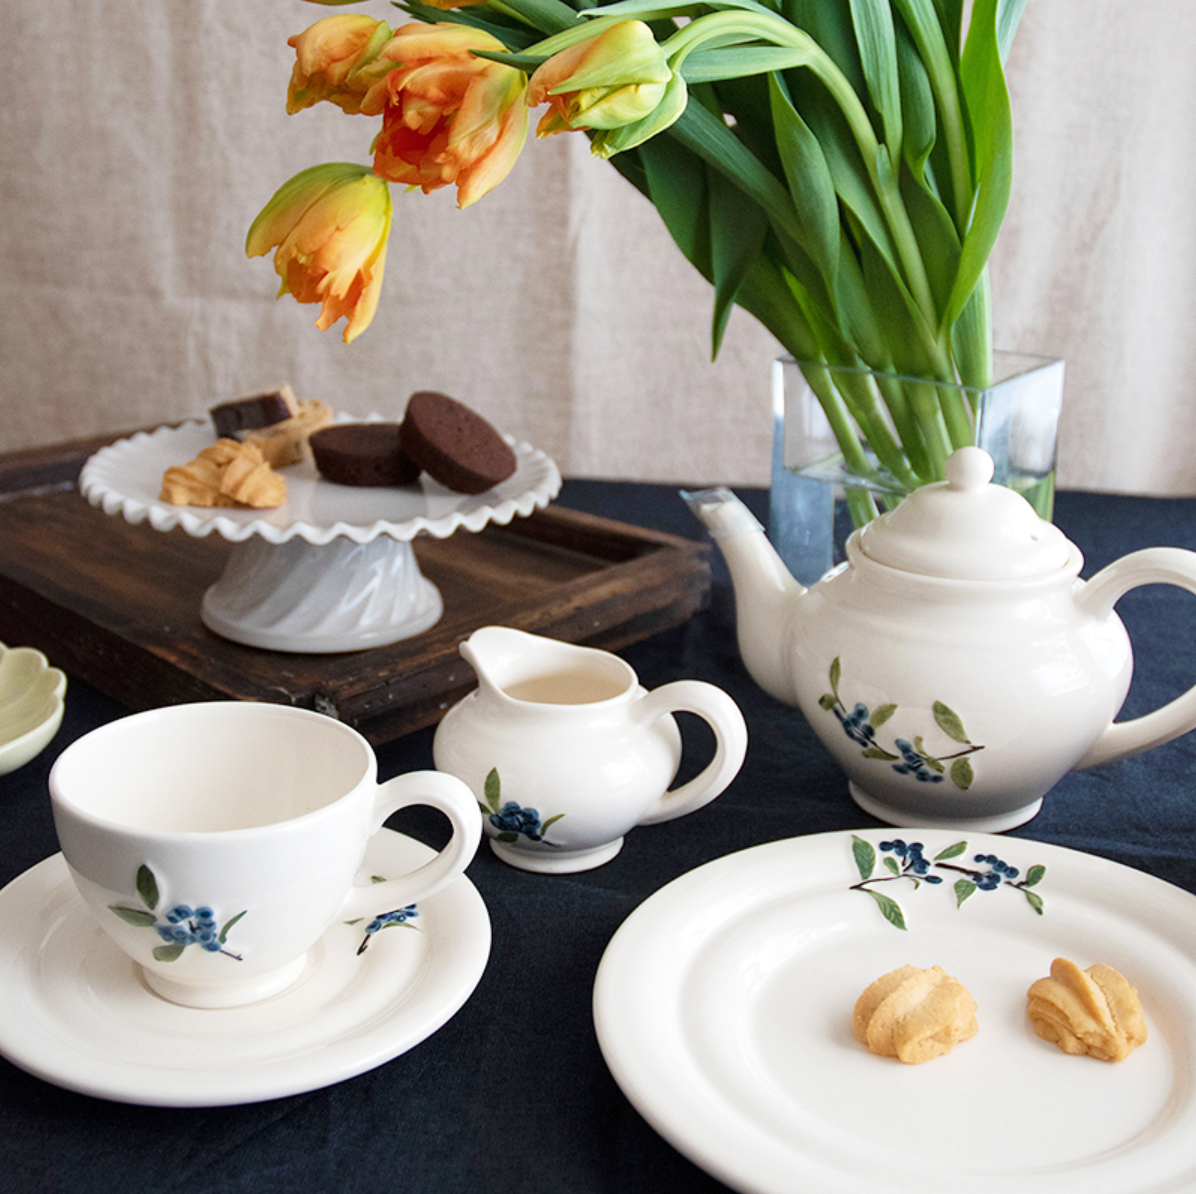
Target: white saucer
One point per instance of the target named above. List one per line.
(74, 1010)
(723, 1007)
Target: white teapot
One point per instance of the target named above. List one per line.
(955, 666)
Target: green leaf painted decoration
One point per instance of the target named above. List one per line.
(890, 909)
(882, 713)
(953, 851)
(865, 856)
(134, 916)
(903, 860)
(918, 761)
(493, 790)
(948, 721)
(183, 925)
(147, 886)
(224, 931)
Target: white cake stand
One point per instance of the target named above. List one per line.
(330, 570)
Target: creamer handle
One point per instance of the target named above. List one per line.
(1153, 566)
(730, 735)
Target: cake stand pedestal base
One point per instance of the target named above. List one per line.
(321, 597)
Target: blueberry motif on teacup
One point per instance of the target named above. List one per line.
(913, 758)
(511, 819)
(907, 860)
(184, 924)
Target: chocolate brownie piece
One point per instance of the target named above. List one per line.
(362, 454)
(454, 445)
(253, 411)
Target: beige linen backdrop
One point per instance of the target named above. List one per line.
(140, 138)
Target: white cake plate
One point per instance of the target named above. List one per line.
(332, 569)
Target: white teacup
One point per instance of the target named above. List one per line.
(215, 842)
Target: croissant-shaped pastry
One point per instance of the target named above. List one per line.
(225, 474)
(285, 442)
(915, 1015)
(1093, 1011)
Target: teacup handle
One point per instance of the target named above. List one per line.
(456, 801)
(722, 714)
(1154, 565)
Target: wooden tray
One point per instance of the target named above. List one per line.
(118, 605)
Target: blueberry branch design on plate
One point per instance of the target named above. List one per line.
(511, 819)
(912, 758)
(184, 925)
(906, 861)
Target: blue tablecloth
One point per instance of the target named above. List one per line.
(513, 1094)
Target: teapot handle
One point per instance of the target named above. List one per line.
(1153, 566)
(722, 714)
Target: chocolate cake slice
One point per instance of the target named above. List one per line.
(453, 444)
(253, 411)
(362, 454)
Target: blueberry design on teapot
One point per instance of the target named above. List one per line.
(913, 758)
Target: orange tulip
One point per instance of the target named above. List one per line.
(329, 225)
(336, 60)
(447, 116)
(614, 79)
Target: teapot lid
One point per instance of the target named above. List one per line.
(965, 528)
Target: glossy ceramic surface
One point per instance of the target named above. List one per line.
(74, 1012)
(723, 1007)
(214, 842)
(955, 666)
(32, 701)
(330, 570)
(566, 752)
(125, 478)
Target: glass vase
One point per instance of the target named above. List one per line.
(849, 443)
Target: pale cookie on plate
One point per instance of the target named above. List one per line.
(1094, 1011)
(914, 1015)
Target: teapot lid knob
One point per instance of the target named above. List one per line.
(968, 468)
(966, 528)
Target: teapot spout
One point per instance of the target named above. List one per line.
(764, 589)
